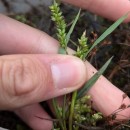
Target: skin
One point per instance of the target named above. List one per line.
(106, 8)
(30, 55)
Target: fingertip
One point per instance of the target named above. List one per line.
(70, 72)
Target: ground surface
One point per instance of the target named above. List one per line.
(117, 44)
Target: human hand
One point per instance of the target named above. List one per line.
(106, 8)
(32, 72)
(36, 42)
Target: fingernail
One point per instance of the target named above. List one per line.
(69, 73)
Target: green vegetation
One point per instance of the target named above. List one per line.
(79, 111)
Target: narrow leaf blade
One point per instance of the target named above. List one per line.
(108, 31)
(72, 27)
(93, 80)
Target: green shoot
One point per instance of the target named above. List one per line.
(58, 115)
(72, 27)
(108, 31)
(92, 80)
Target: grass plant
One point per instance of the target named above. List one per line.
(72, 116)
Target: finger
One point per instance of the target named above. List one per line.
(106, 8)
(18, 38)
(106, 97)
(30, 115)
(28, 79)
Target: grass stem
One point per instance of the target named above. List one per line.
(64, 113)
(74, 95)
(55, 106)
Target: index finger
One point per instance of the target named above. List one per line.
(113, 9)
(20, 38)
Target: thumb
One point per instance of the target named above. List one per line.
(28, 79)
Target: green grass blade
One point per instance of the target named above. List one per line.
(72, 27)
(64, 111)
(74, 95)
(108, 31)
(92, 80)
(55, 106)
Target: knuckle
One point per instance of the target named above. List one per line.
(19, 76)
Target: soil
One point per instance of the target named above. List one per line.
(117, 45)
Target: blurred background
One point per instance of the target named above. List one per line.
(21, 6)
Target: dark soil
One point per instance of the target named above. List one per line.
(117, 45)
